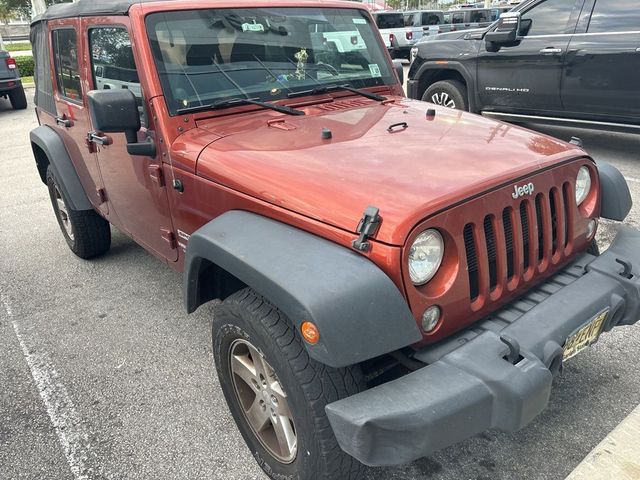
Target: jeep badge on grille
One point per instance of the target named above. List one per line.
(527, 189)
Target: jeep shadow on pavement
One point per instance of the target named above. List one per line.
(383, 294)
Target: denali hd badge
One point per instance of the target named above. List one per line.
(527, 189)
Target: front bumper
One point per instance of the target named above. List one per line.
(470, 384)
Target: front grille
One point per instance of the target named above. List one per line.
(505, 250)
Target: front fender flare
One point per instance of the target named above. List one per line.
(60, 161)
(454, 66)
(358, 310)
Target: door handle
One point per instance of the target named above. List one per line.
(64, 121)
(93, 137)
(550, 50)
(638, 50)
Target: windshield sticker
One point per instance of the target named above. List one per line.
(252, 27)
(375, 70)
(359, 21)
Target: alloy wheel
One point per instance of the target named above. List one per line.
(443, 98)
(263, 401)
(63, 211)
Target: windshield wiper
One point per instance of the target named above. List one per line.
(234, 102)
(333, 88)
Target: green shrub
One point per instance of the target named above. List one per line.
(25, 65)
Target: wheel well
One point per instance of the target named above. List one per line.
(429, 77)
(215, 283)
(42, 161)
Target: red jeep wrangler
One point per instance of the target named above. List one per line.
(393, 277)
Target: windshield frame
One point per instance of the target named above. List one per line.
(388, 82)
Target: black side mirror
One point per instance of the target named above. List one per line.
(506, 30)
(115, 111)
(399, 68)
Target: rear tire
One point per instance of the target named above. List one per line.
(87, 233)
(248, 330)
(18, 99)
(448, 93)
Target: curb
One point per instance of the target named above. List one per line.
(617, 456)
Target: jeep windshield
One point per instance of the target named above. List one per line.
(265, 54)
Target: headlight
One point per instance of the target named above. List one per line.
(425, 256)
(583, 185)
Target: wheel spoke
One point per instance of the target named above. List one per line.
(62, 207)
(285, 435)
(242, 366)
(257, 415)
(281, 404)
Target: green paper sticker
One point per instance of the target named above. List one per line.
(252, 27)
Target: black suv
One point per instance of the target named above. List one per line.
(554, 60)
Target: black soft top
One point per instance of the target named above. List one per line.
(87, 8)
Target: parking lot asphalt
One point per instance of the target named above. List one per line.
(103, 374)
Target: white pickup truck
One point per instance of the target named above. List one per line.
(402, 30)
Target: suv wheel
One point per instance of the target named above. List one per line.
(277, 393)
(18, 99)
(87, 233)
(448, 93)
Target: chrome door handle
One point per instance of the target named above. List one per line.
(551, 50)
(64, 121)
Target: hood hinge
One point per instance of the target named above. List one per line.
(367, 228)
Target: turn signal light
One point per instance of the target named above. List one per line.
(392, 38)
(409, 35)
(11, 63)
(310, 332)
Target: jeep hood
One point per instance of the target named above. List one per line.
(408, 173)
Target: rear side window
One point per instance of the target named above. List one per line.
(457, 17)
(65, 52)
(432, 19)
(618, 16)
(547, 18)
(390, 20)
(480, 16)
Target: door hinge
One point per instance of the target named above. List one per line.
(169, 237)
(367, 228)
(155, 172)
(102, 195)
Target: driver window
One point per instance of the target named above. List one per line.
(112, 63)
(547, 18)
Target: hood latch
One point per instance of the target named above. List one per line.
(367, 228)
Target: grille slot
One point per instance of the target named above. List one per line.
(472, 260)
(510, 247)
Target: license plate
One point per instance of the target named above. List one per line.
(585, 336)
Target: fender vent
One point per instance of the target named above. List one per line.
(343, 105)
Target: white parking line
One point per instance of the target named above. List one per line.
(632, 180)
(72, 434)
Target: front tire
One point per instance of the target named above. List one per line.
(18, 99)
(87, 233)
(277, 393)
(447, 93)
